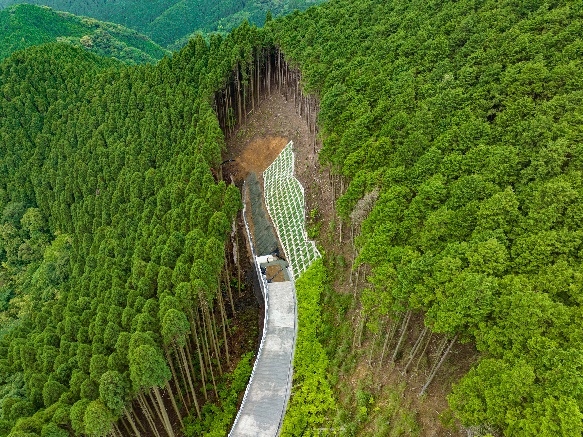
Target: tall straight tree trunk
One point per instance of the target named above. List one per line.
(258, 87)
(372, 347)
(174, 405)
(252, 77)
(224, 323)
(148, 413)
(190, 365)
(130, 420)
(196, 404)
(124, 422)
(244, 102)
(156, 408)
(206, 348)
(142, 427)
(117, 431)
(415, 348)
(423, 351)
(200, 359)
(175, 376)
(165, 417)
(402, 337)
(269, 72)
(388, 339)
(236, 260)
(229, 292)
(210, 327)
(190, 383)
(436, 368)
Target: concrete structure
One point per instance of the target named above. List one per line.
(265, 400)
(262, 411)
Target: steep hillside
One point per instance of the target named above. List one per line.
(222, 16)
(456, 128)
(452, 280)
(169, 21)
(24, 25)
(118, 304)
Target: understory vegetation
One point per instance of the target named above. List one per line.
(216, 419)
(312, 403)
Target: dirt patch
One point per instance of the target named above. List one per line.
(274, 123)
(274, 273)
(257, 155)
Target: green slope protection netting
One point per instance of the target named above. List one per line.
(284, 197)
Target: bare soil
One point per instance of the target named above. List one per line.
(254, 146)
(275, 273)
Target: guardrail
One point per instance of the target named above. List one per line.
(290, 373)
(265, 292)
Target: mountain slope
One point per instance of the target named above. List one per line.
(25, 25)
(461, 123)
(204, 16)
(112, 231)
(166, 21)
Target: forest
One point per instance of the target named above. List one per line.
(164, 20)
(462, 122)
(25, 25)
(115, 278)
(453, 134)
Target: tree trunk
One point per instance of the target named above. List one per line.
(165, 417)
(211, 327)
(193, 378)
(191, 385)
(131, 422)
(436, 367)
(269, 72)
(372, 345)
(174, 405)
(156, 408)
(206, 348)
(359, 330)
(402, 337)
(142, 427)
(388, 339)
(118, 431)
(123, 421)
(229, 292)
(415, 348)
(356, 279)
(200, 358)
(148, 414)
(224, 324)
(423, 351)
(174, 375)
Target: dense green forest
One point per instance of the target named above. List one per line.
(170, 22)
(461, 122)
(24, 25)
(115, 282)
(466, 119)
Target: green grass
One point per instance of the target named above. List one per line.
(312, 402)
